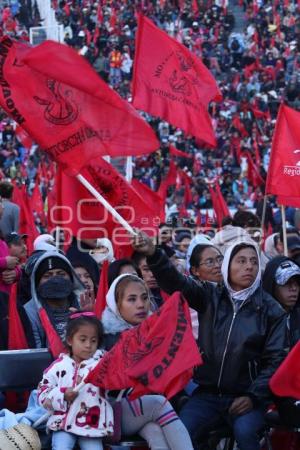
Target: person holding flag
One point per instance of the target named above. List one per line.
(151, 416)
(241, 337)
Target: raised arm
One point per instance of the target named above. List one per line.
(169, 278)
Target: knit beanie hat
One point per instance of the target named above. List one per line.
(53, 262)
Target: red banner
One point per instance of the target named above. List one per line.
(284, 169)
(65, 106)
(157, 356)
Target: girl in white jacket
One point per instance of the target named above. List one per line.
(85, 415)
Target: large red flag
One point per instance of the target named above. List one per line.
(65, 106)
(171, 82)
(284, 168)
(80, 213)
(157, 356)
(286, 380)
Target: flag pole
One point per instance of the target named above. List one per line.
(106, 205)
(57, 231)
(263, 219)
(285, 249)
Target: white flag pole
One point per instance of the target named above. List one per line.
(283, 219)
(106, 205)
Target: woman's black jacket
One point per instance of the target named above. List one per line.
(241, 349)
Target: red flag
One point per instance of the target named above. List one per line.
(220, 206)
(54, 341)
(150, 197)
(27, 224)
(222, 201)
(79, 116)
(289, 201)
(154, 357)
(286, 380)
(16, 335)
(171, 82)
(238, 124)
(284, 167)
(168, 181)
(254, 176)
(81, 213)
(37, 203)
(100, 302)
(175, 152)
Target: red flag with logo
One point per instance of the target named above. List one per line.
(82, 215)
(284, 167)
(157, 356)
(171, 82)
(66, 107)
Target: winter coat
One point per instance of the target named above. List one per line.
(31, 307)
(293, 319)
(241, 348)
(90, 414)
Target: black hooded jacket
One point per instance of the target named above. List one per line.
(269, 284)
(241, 350)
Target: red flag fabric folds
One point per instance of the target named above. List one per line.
(154, 357)
(286, 380)
(220, 206)
(175, 152)
(65, 106)
(150, 197)
(284, 169)
(171, 82)
(84, 217)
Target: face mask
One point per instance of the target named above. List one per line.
(55, 288)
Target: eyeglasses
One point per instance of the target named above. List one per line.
(211, 262)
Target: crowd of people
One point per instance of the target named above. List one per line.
(242, 290)
(256, 69)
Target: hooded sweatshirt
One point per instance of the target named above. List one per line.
(269, 284)
(32, 307)
(245, 293)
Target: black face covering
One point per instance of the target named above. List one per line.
(55, 288)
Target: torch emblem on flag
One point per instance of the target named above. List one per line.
(60, 110)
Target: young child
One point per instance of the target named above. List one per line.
(85, 415)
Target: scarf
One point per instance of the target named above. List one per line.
(244, 293)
